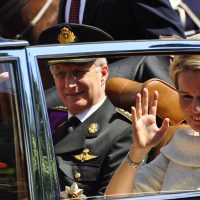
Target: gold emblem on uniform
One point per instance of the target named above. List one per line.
(93, 128)
(77, 175)
(85, 156)
(66, 36)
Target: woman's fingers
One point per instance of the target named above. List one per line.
(165, 125)
(142, 104)
(154, 104)
(145, 101)
(134, 116)
(138, 106)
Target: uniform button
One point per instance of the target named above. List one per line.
(77, 175)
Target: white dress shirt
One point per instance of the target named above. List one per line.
(84, 115)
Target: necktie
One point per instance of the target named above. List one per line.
(73, 122)
(74, 11)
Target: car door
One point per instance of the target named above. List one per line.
(39, 55)
(27, 164)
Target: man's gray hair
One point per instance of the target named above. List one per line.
(100, 62)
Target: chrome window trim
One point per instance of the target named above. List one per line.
(11, 44)
(145, 47)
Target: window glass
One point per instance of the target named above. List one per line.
(141, 70)
(13, 174)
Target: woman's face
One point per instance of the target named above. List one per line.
(189, 97)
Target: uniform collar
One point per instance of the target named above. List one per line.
(91, 128)
(85, 114)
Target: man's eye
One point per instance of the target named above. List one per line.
(60, 75)
(78, 73)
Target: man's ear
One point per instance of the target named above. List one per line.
(104, 72)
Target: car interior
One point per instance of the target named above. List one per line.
(121, 91)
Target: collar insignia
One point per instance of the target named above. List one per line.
(84, 156)
(66, 36)
(93, 128)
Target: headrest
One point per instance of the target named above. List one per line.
(122, 94)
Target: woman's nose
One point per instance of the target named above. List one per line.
(196, 105)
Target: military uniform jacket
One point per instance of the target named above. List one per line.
(90, 153)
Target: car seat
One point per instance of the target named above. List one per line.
(122, 92)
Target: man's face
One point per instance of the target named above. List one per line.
(80, 86)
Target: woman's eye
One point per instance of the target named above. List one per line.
(186, 97)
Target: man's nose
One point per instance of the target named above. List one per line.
(70, 80)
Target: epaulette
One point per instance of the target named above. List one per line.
(125, 113)
(60, 108)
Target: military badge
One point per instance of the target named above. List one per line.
(66, 36)
(84, 156)
(73, 192)
(93, 128)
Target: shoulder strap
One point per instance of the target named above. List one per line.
(125, 113)
(59, 108)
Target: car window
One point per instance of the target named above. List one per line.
(13, 170)
(135, 68)
(122, 67)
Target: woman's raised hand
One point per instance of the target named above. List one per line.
(146, 133)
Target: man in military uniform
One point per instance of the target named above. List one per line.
(91, 137)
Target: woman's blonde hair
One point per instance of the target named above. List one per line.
(182, 63)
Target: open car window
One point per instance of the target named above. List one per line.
(147, 64)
